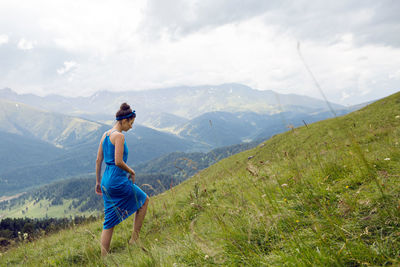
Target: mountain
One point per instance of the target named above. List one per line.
(77, 139)
(325, 194)
(18, 151)
(42, 146)
(144, 144)
(74, 196)
(58, 129)
(164, 122)
(180, 165)
(224, 128)
(185, 101)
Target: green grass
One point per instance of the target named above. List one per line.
(324, 195)
(42, 208)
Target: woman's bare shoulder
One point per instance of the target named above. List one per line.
(117, 136)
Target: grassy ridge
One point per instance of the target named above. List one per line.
(326, 194)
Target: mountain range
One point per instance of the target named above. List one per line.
(324, 194)
(54, 137)
(185, 101)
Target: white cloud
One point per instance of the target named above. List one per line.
(344, 96)
(130, 45)
(68, 65)
(394, 75)
(25, 44)
(3, 39)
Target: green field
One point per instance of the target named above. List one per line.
(324, 195)
(43, 208)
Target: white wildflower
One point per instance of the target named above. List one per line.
(263, 195)
(283, 185)
(192, 203)
(206, 257)
(208, 204)
(387, 158)
(397, 117)
(25, 236)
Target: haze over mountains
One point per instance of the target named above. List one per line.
(187, 102)
(55, 137)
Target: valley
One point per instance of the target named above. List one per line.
(42, 145)
(324, 194)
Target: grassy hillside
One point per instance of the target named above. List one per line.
(74, 196)
(225, 128)
(181, 165)
(325, 195)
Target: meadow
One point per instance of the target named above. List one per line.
(324, 194)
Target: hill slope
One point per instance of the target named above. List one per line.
(18, 151)
(39, 146)
(225, 128)
(75, 196)
(324, 195)
(56, 128)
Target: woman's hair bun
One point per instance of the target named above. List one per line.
(124, 106)
(124, 110)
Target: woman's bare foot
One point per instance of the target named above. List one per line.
(134, 239)
(136, 242)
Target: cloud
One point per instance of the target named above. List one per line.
(394, 75)
(188, 17)
(344, 96)
(68, 66)
(351, 46)
(370, 21)
(25, 45)
(3, 39)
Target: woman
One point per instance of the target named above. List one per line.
(121, 196)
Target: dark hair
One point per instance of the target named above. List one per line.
(124, 109)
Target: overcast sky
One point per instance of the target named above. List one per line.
(79, 47)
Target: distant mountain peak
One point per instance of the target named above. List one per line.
(182, 101)
(7, 91)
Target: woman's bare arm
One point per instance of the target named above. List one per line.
(99, 161)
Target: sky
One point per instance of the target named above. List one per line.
(75, 48)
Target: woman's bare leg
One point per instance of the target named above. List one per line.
(139, 217)
(106, 235)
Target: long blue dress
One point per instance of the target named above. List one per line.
(121, 197)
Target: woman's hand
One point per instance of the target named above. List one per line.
(98, 189)
(132, 176)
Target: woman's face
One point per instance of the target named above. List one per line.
(127, 124)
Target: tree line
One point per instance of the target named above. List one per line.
(14, 230)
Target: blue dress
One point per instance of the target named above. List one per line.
(121, 197)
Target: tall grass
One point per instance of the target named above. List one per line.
(324, 195)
